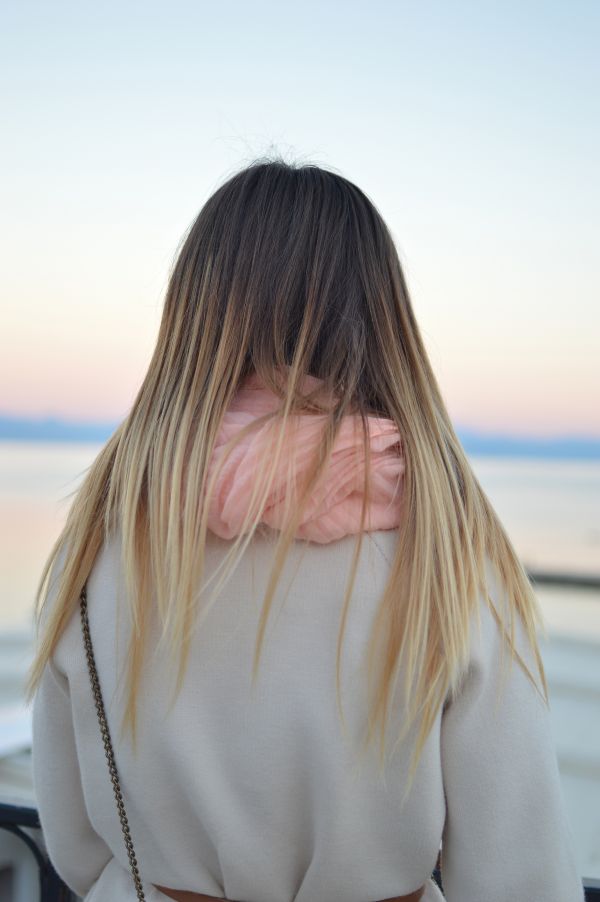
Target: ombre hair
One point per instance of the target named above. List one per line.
(290, 269)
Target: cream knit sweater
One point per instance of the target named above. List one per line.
(261, 797)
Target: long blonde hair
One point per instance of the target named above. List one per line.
(291, 269)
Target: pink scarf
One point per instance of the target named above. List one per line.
(334, 507)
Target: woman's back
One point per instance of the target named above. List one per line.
(290, 388)
(259, 796)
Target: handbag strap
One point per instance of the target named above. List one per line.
(108, 749)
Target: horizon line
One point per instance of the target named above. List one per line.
(571, 445)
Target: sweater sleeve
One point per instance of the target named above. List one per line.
(506, 834)
(76, 851)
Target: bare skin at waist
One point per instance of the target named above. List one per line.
(186, 896)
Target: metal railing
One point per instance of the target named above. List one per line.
(19, 820)
(558, 578)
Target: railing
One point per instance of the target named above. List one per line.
(18, 820)
(552, 578)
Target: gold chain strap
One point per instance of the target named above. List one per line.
(110, 757)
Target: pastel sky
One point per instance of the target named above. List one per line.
(473, 126)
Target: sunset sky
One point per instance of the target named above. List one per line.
(474, 127)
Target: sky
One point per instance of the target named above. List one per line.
(474, 127)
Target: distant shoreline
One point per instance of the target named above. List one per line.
(574, 447)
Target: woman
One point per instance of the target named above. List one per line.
(290, 446)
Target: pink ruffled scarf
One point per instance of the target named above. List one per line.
(335, 505)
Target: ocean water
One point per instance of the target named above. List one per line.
(551, 510)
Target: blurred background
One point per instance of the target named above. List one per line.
(475, 129)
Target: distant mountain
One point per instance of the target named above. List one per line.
(574, 447)
(570, 447)
(53, 429)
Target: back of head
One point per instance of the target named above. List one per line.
(290, 270)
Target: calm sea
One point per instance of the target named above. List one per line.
(551, 510)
